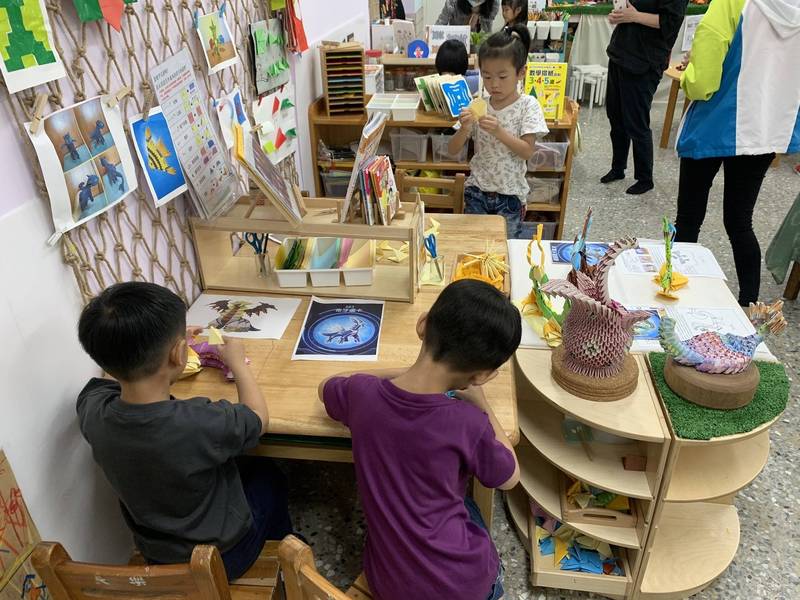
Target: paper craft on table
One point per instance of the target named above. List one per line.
(346, 330)
(269, 55)
(27, 54)
(217, 41)
(230, 112)
(85, 159)
(205, 164)
(157, 157)
(560, 252)
(18, 534)
(24, 583)
(250, 317)
(274, 116)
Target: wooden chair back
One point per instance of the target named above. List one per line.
(203, 578)
(453, 188)
(301, 579)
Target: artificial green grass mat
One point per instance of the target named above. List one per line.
(693, 422)
(604, 9)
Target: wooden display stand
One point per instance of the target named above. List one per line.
(341, 64)
(687, 530)
(340, 131)
(723, 392)
(220, 270)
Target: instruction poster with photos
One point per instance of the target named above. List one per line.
(269, 55)
(27, 55)
(254, 317)
(274, 116)
(157, 156)
(85, 159)
(340, 330)
(205, 164)
(215, 36)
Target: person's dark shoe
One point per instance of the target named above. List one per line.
(640, 187)
(612, 175)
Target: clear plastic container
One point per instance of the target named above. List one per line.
(548, 155)
(439, 142)
(335, 183)
(405, 106)
(545, 190)
(409, 146)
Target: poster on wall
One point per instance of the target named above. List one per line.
(253, 317)
(347, 330)
(205, 164)
(26, 46)
(274, 116)
(85, 159)
(156, 153)
(217, 41)
(18, 534)
(269, 55)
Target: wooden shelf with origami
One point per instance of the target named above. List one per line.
(221, 270)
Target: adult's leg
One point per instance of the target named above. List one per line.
(638, 90)
(267, 496)
(620, 142)
(743, 178)
(694, 183)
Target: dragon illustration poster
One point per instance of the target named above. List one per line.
(340, 330)
(254, 317)
(86, 161)
(156, 153)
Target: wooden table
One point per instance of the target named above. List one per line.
(675, 75)
(299, 427)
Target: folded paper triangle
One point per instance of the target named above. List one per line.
(280, 138)
(112, 12)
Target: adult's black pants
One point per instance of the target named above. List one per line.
(743, 177)
(628, 100)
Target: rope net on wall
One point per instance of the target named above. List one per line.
(134, 240)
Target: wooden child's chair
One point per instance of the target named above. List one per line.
(302, 580)
(203, 578)
(452, 199)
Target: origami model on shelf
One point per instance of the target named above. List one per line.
(584, 503)
(716, 369)
(593, 360)
(668, 280)
(537, 309)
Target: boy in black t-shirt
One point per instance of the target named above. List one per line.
(176, 465)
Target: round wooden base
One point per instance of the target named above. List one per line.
(592, 388)
(723, 392)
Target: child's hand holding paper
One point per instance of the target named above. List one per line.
(479, 107)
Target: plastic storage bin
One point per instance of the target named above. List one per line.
(289, 278)
(335, 183)
(323, 263)
(359, 267)
(409, 145)
(381, 103)
(439, 144)
(544, 189)
(548, 155)
(405, 106)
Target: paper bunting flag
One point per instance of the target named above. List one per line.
(112, 12)
(286, 103)
(292, 133)
(280, 138)
(275, 118)
(276, 104)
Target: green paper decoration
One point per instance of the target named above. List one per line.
(291, 133)
(269, 147)
(24, 43)
(286, 103)
(262, 40)
(89, 10)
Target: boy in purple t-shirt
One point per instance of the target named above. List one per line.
(416, 443)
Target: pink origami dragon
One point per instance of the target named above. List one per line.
(598, 331)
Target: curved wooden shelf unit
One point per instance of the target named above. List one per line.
(693, 545)
(541, 424)
(638, 416)
(520, 510)
(717, 470)
(540, 480)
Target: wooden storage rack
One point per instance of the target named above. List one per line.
(688, 529)
(220, 270)
(338, 131)
(340, 65)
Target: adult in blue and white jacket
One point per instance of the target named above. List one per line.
(744, 80)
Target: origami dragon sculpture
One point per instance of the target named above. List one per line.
(598, 331)
(712, 352)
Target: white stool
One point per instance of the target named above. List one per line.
(602, 84)
(591, 80)
(579, 73)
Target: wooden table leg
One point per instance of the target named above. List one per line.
(484, 498)
(790, 293)
(671, 102)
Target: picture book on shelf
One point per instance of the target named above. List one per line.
(548, 83)
(367, 148)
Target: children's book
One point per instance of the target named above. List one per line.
(367, 147)
(547, 82)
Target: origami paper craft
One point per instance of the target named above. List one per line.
(269, 55)
(274, 115)
(668, 280)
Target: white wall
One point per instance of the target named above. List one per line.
(321, 23)
(42, 369)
